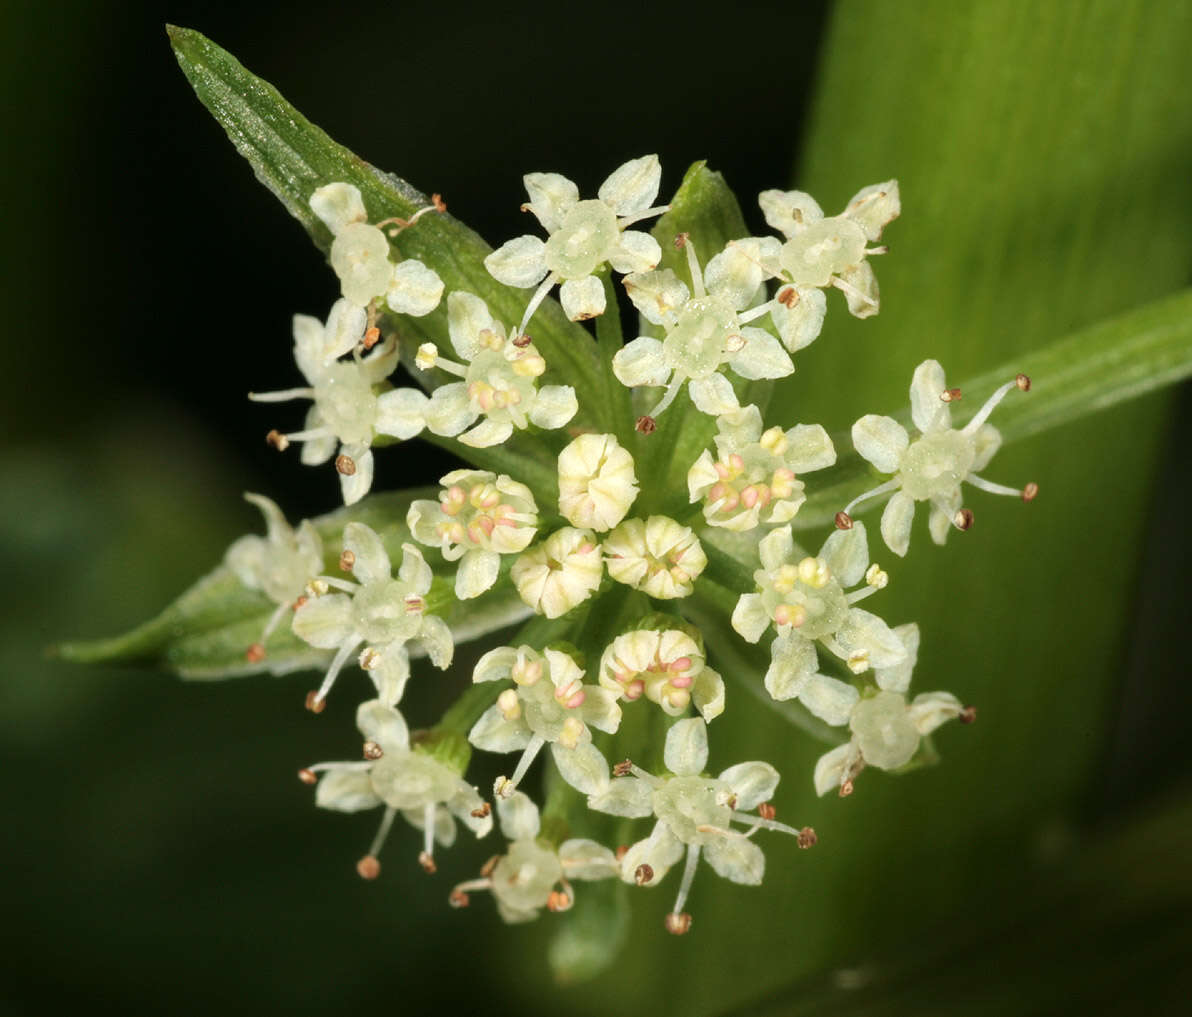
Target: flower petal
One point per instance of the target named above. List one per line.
(521, 262)
(633, 186)
(847, 554)
(658, 295)
(401, 412)
(487, 433)
(897, 677)
(324, 622)
(750, 618)
(553, 407)
(436, 637)
(809, 448)
(792, 662)
(830, 768)
(753, 783)
(372, 561)
(582, 298)
(381, 723)
(897, 517)
(583, 767)
(829, 699)
(493, 732)
(789, 211)
(874, 207)
(551, 198)
(713, 395)
(737, 859)
(414, 569)
(641, 362)
(624, 796)
(881, 440)
(337, 205)
(736, 273)
(801, 324)
(708, 694)
(686, 751)
(346, 791)
(518, 816)
(414, 288)
(928, 410)
(344, 329)
(449, 411)
(357, 484)
(762, 356)
(477, 573)
(467, 317)
(636, 252)
(585, 859)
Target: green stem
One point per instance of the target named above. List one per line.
(615, 401)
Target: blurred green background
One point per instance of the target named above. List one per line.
(159, 855)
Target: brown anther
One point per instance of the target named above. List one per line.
(766, 810)
(255, 653)
(278, 440)
(788, 296)
(806, 838)
(314, 704)
(622, 851)
(345, 464)
(950, 395)
(373, 751)
(438, 202)
(427, 863)
(299, 602)
(623, 768)
(1030, 492)
(522, 341)
(846, 788)
(459, 899)
(347, 560)
(963, 520)
(646, 424)
(372, 336)
(308, 776)
(486, 869)
(678, 924)
(1023, 382)
(482, 812)
(681, 240)
(368, 867)
(558, 901)
(643, 874)
(968, 715)
(844, 521)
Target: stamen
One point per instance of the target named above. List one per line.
(378, 841)
(807, 838)
(992, 488)
(968, 715)
(697, 277)
(560, 900)
(678, 924)
(372, 750)
(623, 768)
(671, 391)
(1030, 492)
(889, 485)
(317, 702)
(307, 775)
(629, 220)
(536, 299)
(483, 811)
(685, 886)
(278, 440)
(314, 703)
(646, 425)
(274, 619)
(284, 396)
(950, 395)
(766, 810)
(426, 857)
(852, 291)
(505, 786)
(991, 403)
(372, 336)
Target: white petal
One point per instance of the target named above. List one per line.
(518, 816)
(809, 448)
(847, 554)
(344, 329)
(497, 665)
(583, 767)
(929, 710)
(324, 622)
(487, 433)
(707, 693)
(865, 631)
(346, 791)
(582, 298)
(494, 733)
(633, 186)
(659, 851)
(624, 796)
(551, 197)
(449, 410)
(800, 325)
(414, 289)
(337, 205)
(863, 295)
(436, 637)
(389, 677)
(382, 724)
(521, 262)
(829, 699)
(761, 357)
(737, 859)
(897, 517)
(897, 677)
(830, 768)
(873, 207)
(319, 450)
(753, 783)
(659, 295)
(414, 569)
(789, 211)
(750, 618)
(357, 485)
(701, 476)
(372, 561)
(601, 709)
(553, 407)
(986, 441)
(686, 750)
(465, 804)
(713, 395)
(776, 548)
(308, 346)
(636, 252)
(477, 572)
(467, 317)
(736, 273)
(401, 412)
(792, 663)
(881, 440)
(585, 859)
(641, 362)
(928, 410)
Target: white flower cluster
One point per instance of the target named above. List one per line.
(597, 544)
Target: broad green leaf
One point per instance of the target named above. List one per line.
(205, 632)
(293, 157)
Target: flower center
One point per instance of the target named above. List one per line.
(821, 250)
(587, 236)
(935, 465)
(697, 344)
(687, 803)
(386, 610)
(346, 402)
(886, 734)
(807, 597)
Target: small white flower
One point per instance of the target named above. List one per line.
(561, 572)
(694, 814)
(934, 465)
(500, 381)
(705, 331)
(597, 484)
(584, 235)
(347, 411)
(658, 556)
(753, 478)
(549, 703)
(805, 600)
(382, 612)
(279, 564)
(479, 517)
(428, 791)
(667, 667)
(524, 879)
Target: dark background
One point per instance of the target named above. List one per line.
(158, 854)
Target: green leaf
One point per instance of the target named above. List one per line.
(205, 632)
(293, 157)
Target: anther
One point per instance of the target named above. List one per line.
(299, 602)
(681, 240)
(314, 703)
(368, 867)
(372, 336)
(968, 715)
(844, 521)
(622, 768)
(643, 874)
(678, 924)
(950, 395)
(372, 750)
(308, 776)
(255, 653)
(767, 811)
(278, 440)
(788, 296)
(484, 810)
(427, 863)
(621, 852)
(1030, 492)
(347, 560)
(846, 788)
(807, 837)
(522, 341)
(438, 202)
(645, 424)
(963, 520)
(345, 464)
(486, 869)
(559, 901)
(1023, 382)
(459, 899)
